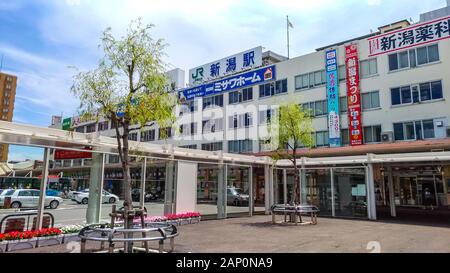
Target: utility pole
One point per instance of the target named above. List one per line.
(289, 25)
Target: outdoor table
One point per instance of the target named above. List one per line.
(295, 210)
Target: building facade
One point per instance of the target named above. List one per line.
(8, 85)
(385, 93)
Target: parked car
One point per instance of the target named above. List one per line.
(149, 196)
(72, 194)
(83, 197)
(29, 199)
(235, 196)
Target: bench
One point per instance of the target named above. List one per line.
(295, 213)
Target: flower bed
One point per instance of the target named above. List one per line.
(175, 219)
(18, 240)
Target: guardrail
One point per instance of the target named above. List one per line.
(21, 222)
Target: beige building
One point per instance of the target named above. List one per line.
(8, 85)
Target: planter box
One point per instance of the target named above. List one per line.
(185, 221)
(3, 246)
(71, 238)
(21, 244)
(49, 241)
(195, 220)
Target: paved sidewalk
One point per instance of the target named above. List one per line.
(258, 235)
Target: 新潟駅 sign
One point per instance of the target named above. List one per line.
(227, 66)
(228, 84)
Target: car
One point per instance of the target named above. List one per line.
(72, 194)
(83, 197)
(235, 196)
(149, 196)
(29, 199)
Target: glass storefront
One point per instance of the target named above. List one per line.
(340, 192)
(350, 193)
(238, 190)
(207, 189)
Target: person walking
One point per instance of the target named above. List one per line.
(428, 199)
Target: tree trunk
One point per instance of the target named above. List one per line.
(128, 202)
(297, 199)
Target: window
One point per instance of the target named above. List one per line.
(345, 137)
(188, 107)
(417, 93)
(165, 133)
(192, 147)
(214, 101)
(272, 89)
(241, 121)
(114, 159)
(316, 108)
(240, 96)
(79, 129)
(322, 139)
(90, 128)
(212, 126)
(372, 134)
(414, 57)
(343, 104)
(240, 146)
(133, 136)
(369, 68)
(266, 116)
(310, 80)
(103, 126)
(148, 135)
(188, 129)
(370, 100)
(212, 147)
(414, 130)
(342, 73)
(265, 145)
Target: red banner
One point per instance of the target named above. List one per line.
(354, 95)
(65, 154)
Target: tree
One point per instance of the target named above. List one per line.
(129, 87)
(293, 130)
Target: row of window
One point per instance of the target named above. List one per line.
(417, 93)
(414, 57)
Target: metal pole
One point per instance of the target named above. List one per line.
(267, 189)
(251, 194)
(333, 202)
(288, 46)
(391, 192)
(143, 178)
(284, 186)
(43, 188)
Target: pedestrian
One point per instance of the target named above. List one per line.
(428, 200)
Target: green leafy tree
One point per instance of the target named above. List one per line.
(129, 87)
(292, 129)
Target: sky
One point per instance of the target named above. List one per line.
(43, 41)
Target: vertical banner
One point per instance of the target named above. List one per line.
(333, 98)
(354, 95)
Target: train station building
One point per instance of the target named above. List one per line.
(380, 105)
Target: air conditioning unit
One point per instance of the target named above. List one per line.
(387, 137)
(448, 131)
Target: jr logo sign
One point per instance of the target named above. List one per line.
(198, 76)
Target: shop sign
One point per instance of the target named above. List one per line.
(228, 84)
(416, 35)
(353, 95)
(227, 66)
(67, 124)
(333, 98)
(67, 154)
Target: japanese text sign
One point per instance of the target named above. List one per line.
(353, 95)
(333, 98)
(415, 35)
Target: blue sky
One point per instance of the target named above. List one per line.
(42, 39)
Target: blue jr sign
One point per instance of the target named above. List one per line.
(236, 82)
